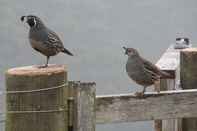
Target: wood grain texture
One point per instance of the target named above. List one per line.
(129, 108)
(33, 78)
(168, 125)
(188, 74)
(170, 61)
(84, 107)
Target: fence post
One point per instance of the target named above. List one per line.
(165, 125)
(188, 74)
(35, 99)
(84, 95)
(170, 61)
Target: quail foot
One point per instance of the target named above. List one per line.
(42, 39)
(142, 71)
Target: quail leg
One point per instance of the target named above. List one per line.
(46, 65)
(141, 94)
(47, 61)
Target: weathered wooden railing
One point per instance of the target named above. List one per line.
(166, 108)
(77, 108)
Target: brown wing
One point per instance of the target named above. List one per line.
(53, 41)
(154, 70)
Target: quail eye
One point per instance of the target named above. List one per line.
(31, 22)
(129, 51)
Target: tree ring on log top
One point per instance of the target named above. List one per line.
(190, 50)
(36, 70)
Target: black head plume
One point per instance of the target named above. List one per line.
(22, 18)
(124, 47)
(32, 21)
(130, 51)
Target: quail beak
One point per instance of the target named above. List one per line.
(23, 18)
(125, 50)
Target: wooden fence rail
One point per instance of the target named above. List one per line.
(129, 108)
(77, 108)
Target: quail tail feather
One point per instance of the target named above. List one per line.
(67, 52)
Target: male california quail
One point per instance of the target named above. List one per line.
(142, 71)
(181, 43)
(42, 39)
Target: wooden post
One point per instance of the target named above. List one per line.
(188, 74)
(72, 85)
(169, 84)
(170, 62)
(35, 99)
(165, 125)
(84, 106)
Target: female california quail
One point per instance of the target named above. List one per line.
(142, 71)
(42, 39)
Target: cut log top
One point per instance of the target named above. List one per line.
(190, 50)
(36, 70)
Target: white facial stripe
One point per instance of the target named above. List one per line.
(182, 41)
(34, 21)
(25, 19)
